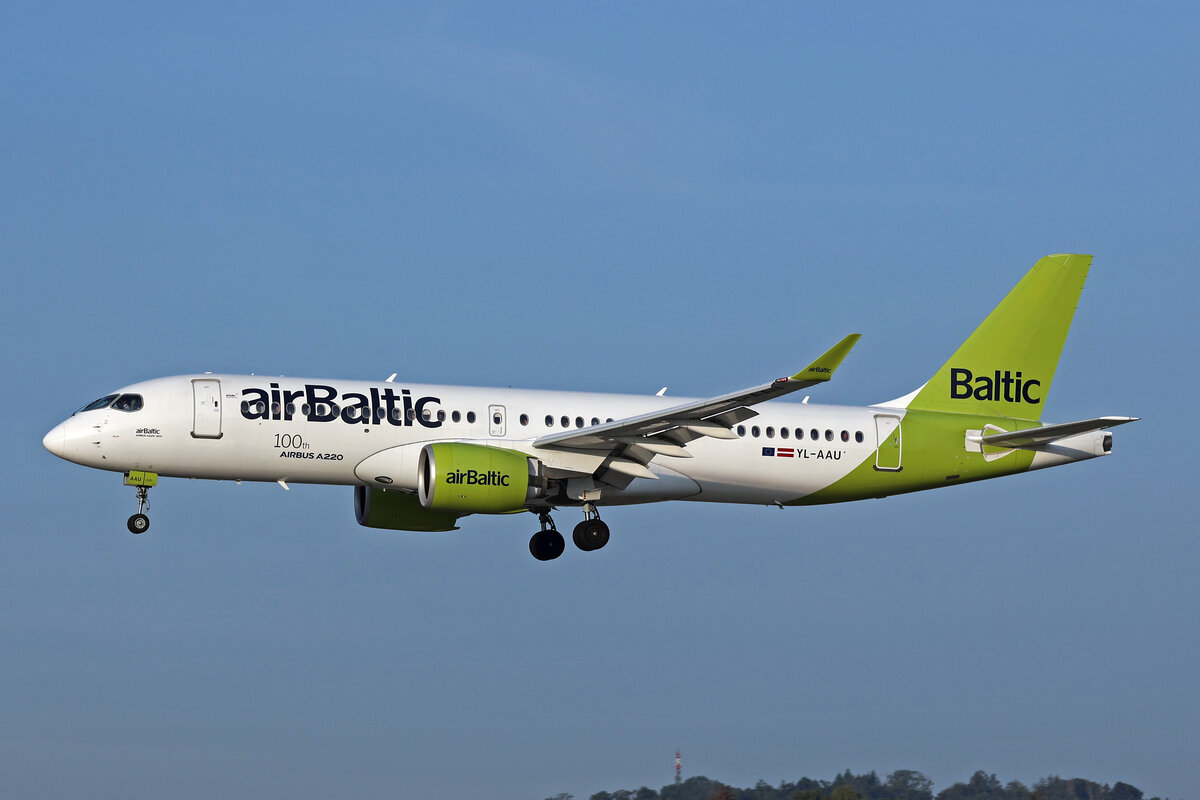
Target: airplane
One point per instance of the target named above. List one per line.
(421, 457)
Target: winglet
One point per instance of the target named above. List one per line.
(822, 369)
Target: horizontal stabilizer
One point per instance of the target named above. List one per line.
(1033, 437)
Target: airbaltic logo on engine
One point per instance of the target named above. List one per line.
(472, 477)
(999, 386)
(323, 404)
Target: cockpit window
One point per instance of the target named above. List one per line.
(128, 402)
(103, 402)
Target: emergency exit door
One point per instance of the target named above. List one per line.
(496, 421)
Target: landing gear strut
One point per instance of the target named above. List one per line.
(592, 533)
(548, 543)
(139, 522)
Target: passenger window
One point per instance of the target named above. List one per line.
(579, 422)
(814, 434)
(455, 416)
(858, 437)
(828, 435)
(549, 421)
(471, 417)
(524, 419)
(595, 421)
(754, 431)
(741, 430)
(441, 416)
(770, 432)
(783, 433)
(845, 436)
(566, 422)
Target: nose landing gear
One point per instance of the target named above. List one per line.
(139, 522)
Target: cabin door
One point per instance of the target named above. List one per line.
(206, 419)
(887, 435)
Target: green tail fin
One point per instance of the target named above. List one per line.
(1006, 366)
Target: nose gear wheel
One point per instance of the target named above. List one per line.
(139, 522)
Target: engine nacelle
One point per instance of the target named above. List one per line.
(473, 478)
(398, 511)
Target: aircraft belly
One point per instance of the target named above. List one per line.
(670, 485)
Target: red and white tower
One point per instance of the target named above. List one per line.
(678, 767)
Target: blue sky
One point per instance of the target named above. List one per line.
(610, 197)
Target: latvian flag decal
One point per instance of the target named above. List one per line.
(779, 452)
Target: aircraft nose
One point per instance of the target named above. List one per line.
(56, 440)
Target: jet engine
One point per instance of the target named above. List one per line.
(477, 479)
(398, 511)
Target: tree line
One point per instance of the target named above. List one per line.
(903, 784)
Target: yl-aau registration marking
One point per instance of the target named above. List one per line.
(421, 458)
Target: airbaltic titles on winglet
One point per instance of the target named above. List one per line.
(1002, 386)
(324, 404)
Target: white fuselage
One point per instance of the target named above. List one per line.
(254, 428)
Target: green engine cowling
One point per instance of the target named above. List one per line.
(398, 511)
(476, 479)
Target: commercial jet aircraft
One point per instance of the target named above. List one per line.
(421, 457)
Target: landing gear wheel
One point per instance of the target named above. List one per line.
(139, 522)
(591, 534)
(578, 538)
(547, 545)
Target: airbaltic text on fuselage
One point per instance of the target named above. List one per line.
(1000, 386)
(324, 404)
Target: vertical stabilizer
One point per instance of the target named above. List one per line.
(1005, 367)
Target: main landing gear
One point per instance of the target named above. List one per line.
(548, 544)
(139, 522)
(592, 533)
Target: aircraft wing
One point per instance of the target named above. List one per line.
(1033, 437)
(629, 444)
